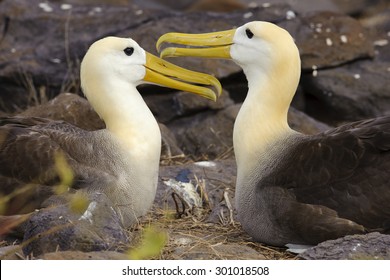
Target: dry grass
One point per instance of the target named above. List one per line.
(187, 236)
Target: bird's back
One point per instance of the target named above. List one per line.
(30, 153)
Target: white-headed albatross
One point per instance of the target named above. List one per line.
(122, 160)
(295, 188)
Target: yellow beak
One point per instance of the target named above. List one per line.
(161, 72)
(213, 45)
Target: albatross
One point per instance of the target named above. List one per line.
(122, 160)
(293, 188)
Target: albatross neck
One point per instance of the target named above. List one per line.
(262, 119)
(129, 120)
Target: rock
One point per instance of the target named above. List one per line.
(78, 255)
(305, 6)
(210, 134)
(170, 106)
(355, 7)
(356, 90)
(42, 45)
(301, 6)
(192, 5)
(188, 104)
(351, 92)
(303, 123)
(165, 4)
(376, 20)
(372, 246)
(206, 135)
(218, 6)
(169, 148)
(58, 228)
(327, 39)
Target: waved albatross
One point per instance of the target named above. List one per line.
(295, 188)
(122, 161)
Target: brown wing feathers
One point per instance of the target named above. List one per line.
(28, 147)
(336, 182)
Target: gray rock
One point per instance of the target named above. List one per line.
(42, 45)
(304, 6)
(169, 147)
(78, 255)
(327, 39)
(372, 246)
(58, 228)
(165, 4)
(210, 134)
(376, 20)
(356, 7)
(356, 90)
(206, 135)
(170, 106)
(301, 6)
(305, 124)
(351, 92)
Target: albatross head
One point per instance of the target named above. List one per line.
(266, 53)
(116, 63)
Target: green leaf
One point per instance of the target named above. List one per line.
(152, 243)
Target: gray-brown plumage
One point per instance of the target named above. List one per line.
(295, 188)
(324, 186)
(68, 107)
(28, 149)
(120, 160)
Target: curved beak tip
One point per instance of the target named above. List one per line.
(164, 73)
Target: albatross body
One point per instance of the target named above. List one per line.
(295, 188)
(120, 161)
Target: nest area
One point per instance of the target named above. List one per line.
(190, 237)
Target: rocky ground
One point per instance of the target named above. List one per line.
(344, 49)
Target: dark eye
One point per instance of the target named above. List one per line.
(128, 51)
(249, 33)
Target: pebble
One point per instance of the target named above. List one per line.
(248, 15)
(344, 39)
(381, 43)
(290, 15)
(66, 6)
(45, 7)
